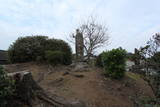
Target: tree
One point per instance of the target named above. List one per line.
(99, 62)
(153, 45)
(54, 57)
(94, 36)
(33, 48)
(152, 54)
(114, 62)
(151, 50)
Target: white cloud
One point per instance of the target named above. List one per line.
(130, 22)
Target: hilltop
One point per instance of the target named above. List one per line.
(91, 87)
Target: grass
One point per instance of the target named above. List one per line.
(133, 75)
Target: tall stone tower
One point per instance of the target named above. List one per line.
(79, 46)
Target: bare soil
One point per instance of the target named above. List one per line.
(91, 87)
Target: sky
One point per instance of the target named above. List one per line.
(130, 23)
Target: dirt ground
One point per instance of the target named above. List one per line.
(90, 87)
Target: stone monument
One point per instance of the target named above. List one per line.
(79, 46)
(80, 64)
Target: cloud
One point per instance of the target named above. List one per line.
(130, 23)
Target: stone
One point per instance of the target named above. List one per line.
(79, 46)
(81, 67)
(65, 73)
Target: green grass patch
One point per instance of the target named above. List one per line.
(133, 75)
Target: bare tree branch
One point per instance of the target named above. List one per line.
(94, 34)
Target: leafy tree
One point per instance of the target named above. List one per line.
(26, 49)
(153, 44)
(99, 60)
(33, 48)
(54, 57)
(114, 63)
(151, 55)
(60, 45)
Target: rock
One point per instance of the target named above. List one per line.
(78, 104)
(78, 75)
(81, 67)
(65, 73)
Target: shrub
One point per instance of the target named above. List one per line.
(6, 88)
(60, 45)
(99, 62)
(114, 63)
(26, 49)
(54, 57)
(33, 48)
(156, 58)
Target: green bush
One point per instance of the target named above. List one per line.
(114, 63)
(60, 45)
(33, 48)
(99, 62)
(54, 57)
(6, 88)
(26, 49)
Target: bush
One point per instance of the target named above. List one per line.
(114, 63)
(60, 45)
(6, 88)
(26, 49)
(54, 57)
(99, 62)
(156, 58)
(33, 48)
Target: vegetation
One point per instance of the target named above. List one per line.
(130, 56)
(99, 62)
(114, 63)
(33, 48)
(60, 45)
(150, 54)
(54, 57)
(6, 88)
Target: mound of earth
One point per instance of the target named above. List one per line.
(91, 87)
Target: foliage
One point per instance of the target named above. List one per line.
(60, 45)
(148, 102)
(134, 76)
(6, 88)
(99, 62)
(54, 57)
(151, 52)
(153, 44)
(151, 56)
(130, 56)
(156, 59)
(33, 48)
(26, 49)
(114, 63)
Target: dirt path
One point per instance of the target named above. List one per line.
(93, 89)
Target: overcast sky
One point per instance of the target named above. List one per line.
(130, 22)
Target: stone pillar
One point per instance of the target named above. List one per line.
(137, 57)
(79, 46)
